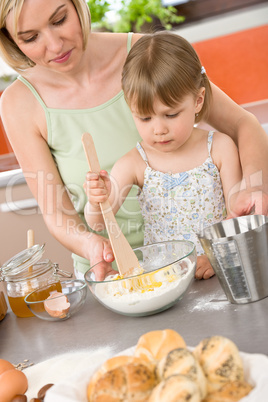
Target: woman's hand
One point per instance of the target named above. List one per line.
(246, 199)
(204, 269)
(100, 252)
(250, 201)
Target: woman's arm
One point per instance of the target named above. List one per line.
(252, 141)
(43, 179)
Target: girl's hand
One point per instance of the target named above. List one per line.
(204, 269)
(97, 187)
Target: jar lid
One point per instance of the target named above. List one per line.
(22, 261)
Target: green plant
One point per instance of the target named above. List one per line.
(132, 14)
(98, 9)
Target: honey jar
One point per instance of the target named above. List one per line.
(24, 273)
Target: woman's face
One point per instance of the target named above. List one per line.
(49, 33)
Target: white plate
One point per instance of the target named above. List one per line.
(71, 374)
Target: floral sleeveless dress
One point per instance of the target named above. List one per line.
(177, 206)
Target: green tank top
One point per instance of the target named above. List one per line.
(114, 133)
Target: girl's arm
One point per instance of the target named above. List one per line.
(44, 181)
(252, 141)
(225, 156)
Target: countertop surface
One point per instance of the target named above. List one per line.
(204, 311)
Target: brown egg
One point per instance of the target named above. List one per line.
(12, 382)
(5, 365)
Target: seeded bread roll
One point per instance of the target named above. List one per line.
(220, 360)
(182, 361)
(230, 392)
(154, 345)
(176, 388)
(132, 382)
(111, 364)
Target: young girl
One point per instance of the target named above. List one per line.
(184, 173)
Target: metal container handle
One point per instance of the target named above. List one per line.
(58, 271)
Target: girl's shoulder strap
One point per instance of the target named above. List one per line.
(210, 139)
(129, 39)
(142, 153)
(33, 90)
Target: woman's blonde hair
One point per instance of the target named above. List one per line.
(163, 66)
(10, 52)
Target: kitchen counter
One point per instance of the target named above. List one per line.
(204, 311)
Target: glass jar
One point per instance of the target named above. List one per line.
(25, 273)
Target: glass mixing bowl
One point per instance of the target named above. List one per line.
(67, 302)
(166, 271)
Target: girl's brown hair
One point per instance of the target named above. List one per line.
(165, 66)
(10, 52)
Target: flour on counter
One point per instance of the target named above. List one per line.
(210, 302)
(162, 293)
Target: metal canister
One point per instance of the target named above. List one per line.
(238, 251)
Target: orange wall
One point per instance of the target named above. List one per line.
(238, 63)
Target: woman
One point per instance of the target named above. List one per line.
(70, 83)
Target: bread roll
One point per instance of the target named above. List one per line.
(220, 360)
(176, 388)
(182, 361)
(132, 382)
(154, 345)
(230, 392)
(111, 364)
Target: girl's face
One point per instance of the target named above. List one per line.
(169, 128)
(49, 33)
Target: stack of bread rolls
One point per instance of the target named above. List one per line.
(164, 370)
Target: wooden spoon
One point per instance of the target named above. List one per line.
(125, 257)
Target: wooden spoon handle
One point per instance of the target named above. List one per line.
(30, 243)
(30, 238)
(125, 257)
